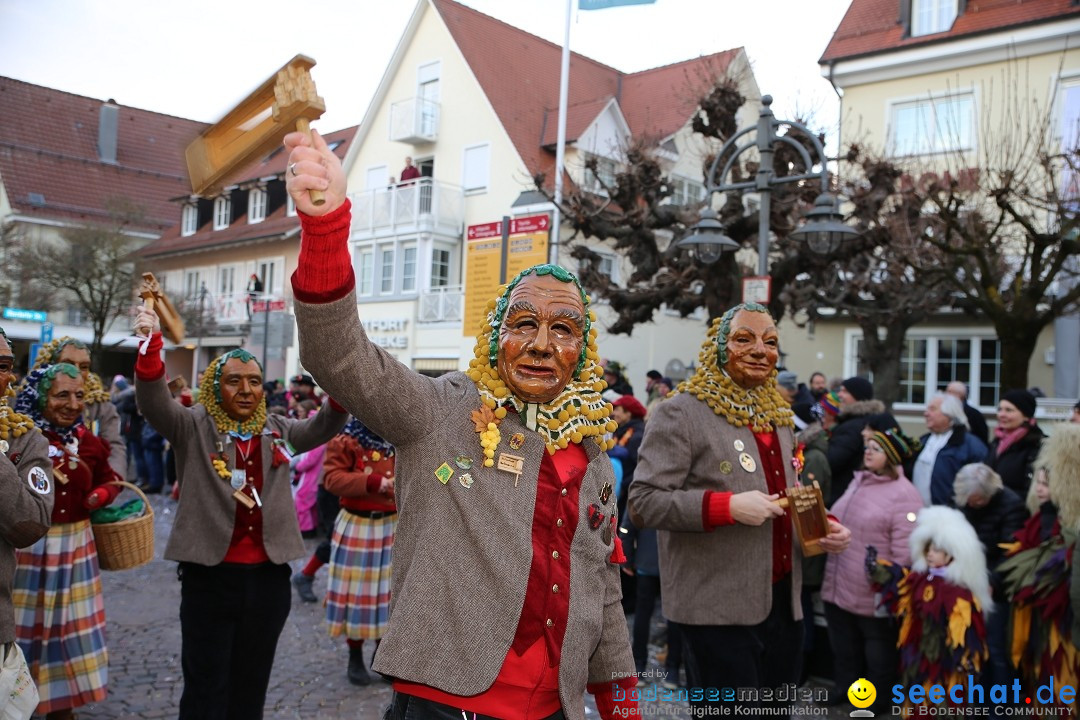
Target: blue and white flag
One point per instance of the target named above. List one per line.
(604, 4)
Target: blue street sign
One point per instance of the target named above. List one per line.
(11, 313)
(46, 332)
(34, 347)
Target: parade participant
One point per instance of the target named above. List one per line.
(505, 600)
(235, 529)
(714, 458)
(59, 610)
(100, 416)
(1036, 572)
(26, 502)
(359, 468)
(941, 602)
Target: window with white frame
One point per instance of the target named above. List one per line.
(228, 276)
(440, 267)
(408, 269)
(222, 212)
(428, 97)
(931, 16)
(386, 270)
(193, 282)
(189, 220)
(1068, 127)
(476, 169)
(271, 272)
(256, 205)
(929, 362)
(685, 192)
(603, 175)
(365, 266)
(608, 265)
(933, 125)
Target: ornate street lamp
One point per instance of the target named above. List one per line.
(824, 230)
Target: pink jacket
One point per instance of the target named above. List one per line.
(309, 466)
(879, 511)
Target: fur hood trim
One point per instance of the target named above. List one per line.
(861, 408)
(948, 529)
(1060, 456)
(812, 432)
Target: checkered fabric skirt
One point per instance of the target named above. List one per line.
(60, 617)
(358, 591)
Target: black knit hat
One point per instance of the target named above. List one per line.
(1023, 400)
(859, 387)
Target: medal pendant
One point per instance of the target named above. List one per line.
(238, 479)
(243, 499)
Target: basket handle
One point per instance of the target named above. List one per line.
(124, 483)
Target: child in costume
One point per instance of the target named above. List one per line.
(1037, 568)
(941, 601)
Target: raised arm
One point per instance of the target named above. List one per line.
(318, 429)
(394, 401)
(152, 394)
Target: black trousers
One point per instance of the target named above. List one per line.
(230, 620)
(766, 655)
(410, 707)
(863, 647)
(648, 590)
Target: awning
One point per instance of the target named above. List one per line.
(440, 364)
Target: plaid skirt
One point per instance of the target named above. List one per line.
(358, 589)
(60, 617)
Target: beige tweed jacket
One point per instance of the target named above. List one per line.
(723, 577)
(26, 504)
(206, 513)
(462, 554)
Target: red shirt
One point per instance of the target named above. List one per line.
(529, 678)
(246, 546)
(85, 473)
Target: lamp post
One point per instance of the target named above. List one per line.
(823, 230)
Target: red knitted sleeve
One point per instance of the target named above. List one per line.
(324, 271)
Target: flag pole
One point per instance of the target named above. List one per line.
(560, 147)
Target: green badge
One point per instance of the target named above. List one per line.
(463, 461)
(725, 468)
(444, 473)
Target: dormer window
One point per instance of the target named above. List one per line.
(256, 205)
(189, 220)
(222, 212)
(932, 16)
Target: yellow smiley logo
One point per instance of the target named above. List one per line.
(862, 693)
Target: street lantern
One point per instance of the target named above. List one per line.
(824, 230)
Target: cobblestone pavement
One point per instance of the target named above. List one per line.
(308, 682)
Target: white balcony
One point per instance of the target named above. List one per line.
(441, 304)
(414, 206)
(414, 121)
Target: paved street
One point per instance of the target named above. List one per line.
(308, 682)
(145, 680)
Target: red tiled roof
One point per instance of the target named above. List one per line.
(274, 227)
(873, 26)
(578, 119)
(48, 146)
(519, 73)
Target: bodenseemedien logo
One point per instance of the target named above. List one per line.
(862, 694)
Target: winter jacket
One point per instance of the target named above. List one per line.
(846, 444)
(960, 449)
(1015, 464)
(997, 522)
(308, 466)
(640, 548)
(879, 511)
(815, 469)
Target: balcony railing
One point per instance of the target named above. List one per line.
(442, 304)
(420, 205)
(414, 121)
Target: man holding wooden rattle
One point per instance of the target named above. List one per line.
(715, 459)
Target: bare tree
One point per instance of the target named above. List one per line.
(93, 267)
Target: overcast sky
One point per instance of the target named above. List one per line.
(198, 58)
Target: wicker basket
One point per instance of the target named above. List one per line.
(128, 543)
